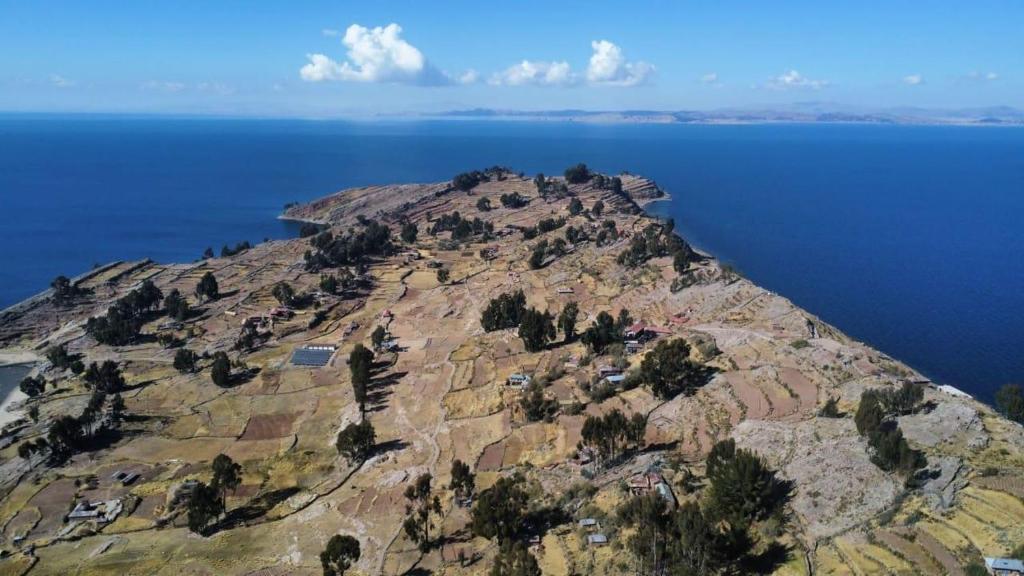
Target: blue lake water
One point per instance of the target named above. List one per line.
(909, 238)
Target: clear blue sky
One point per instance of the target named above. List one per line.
(339, 58)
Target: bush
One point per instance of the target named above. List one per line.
(577, 174)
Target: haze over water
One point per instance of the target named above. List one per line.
(908, 238)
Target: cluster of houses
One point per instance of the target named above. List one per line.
(103, 512)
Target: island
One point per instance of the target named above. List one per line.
(496, 374)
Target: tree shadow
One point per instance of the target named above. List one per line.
(252, 510)
(396, 445)
(775, 555)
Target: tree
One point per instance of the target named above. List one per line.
(541, 183)
(409, 232)
(500, 510)
(329, 283)
(597, 208)
(63, 289)
(680, 262)
(830, 409)
(360, 362)
(443, 275)
(575, 206)
(185, 360)
(377, 336)
(117, 407)
(356, 441)
(220, 371)
(503, 312)
(59, 357)
(227, 475)
(567, 320)
(602, 333)
(1010, 402)
(515, 560)
(341, 553)
(536, 328)
(742, 487)
(869, 414)
(204, 506)
(208, 253)
(668, 370)
(483, 204)
(284, 293)
(535, 405)
(420, 503)
(32, 387)
(577, 174)
(538, 255)
(65, 437)
(463, 481)
(176, 306)
(104, 377)
(636, 431)
(207, 287)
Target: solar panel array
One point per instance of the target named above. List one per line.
(317, 357)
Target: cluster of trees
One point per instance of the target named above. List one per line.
(605, 183)
(462, 228)
(716, 537)
(336, 283)
(668, 370)
(105, 377)
(567, 320)
(62, 360)
(544, 249)
(500, 511)
(185, 361)
(121, 324)
(578, 174)
(513, 200)
(606, 434)
(207, 288)
(64, 290)
(552, 187)
(875, 421)
(515, 560)
(226, 251)
(608, 233)
(1010, 402)
(463, 481)
(505, 311)
(356, 441)
(536, 329)
(483, 204)
(605, 330)
(409, 232)
(176, 306)
(328, 251)
(536, 406)
(32, 386)
(209, 501)
(308, 229)
(421, 504)
(69, 435)
(468, 180)
(656, 241)
(220, 369)
(360, 364)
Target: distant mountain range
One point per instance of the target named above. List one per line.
(805, 112)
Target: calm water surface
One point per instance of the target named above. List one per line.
(906, 237)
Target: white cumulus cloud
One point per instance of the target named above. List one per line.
(982, 76)
(163, 86)
(609, 66)
(913, 79)
(710, 78)
(792, 79)
(535, 72)
(61, 82)
(374, 55)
